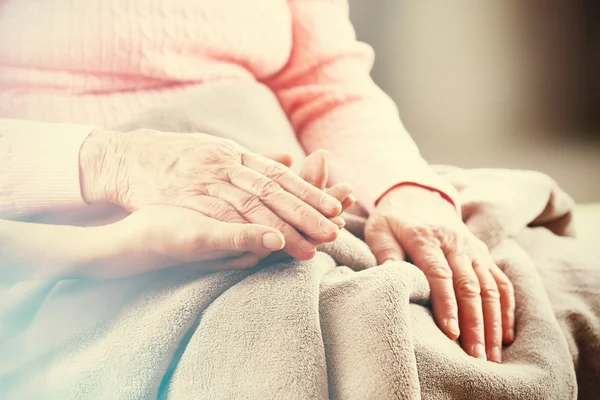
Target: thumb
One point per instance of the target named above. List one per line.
(382, 242)
(251, 238)
(314, 170)
(283, 158)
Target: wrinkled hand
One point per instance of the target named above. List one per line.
(471, 297)
(213, 176)
(158, 237)
(315, 172)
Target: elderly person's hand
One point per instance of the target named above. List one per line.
(149, 239)
(158, 237)
(213, 176)
(471, 297)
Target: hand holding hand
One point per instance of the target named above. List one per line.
(210, 175)
(157, 237)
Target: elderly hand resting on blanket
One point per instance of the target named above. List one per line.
(471, 297)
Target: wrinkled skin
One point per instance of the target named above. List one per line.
(471, 297)
(210, 175)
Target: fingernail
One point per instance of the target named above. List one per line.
(452, 325)
(496, 354)
(330, 204)
(478, 351)
(327, 226)
(272, 241)
(510, 335)
(391, 259)
(339, 221)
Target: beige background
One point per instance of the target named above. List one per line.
(492, 84)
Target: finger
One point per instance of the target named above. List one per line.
(261, 191)
(243, 261)
(291, 183)
(314, 170)
(432, 261)
(282, 158)
(492, 315)
(468, 296)
(349, 202)
(243, 238)
(340, 191)
(276, 257)
(507, 304)
(382, 242)
(213, 207)
(254, 211)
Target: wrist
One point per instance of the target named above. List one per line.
(100, 248)
(408, 194)
(32, 250)
(98, 162)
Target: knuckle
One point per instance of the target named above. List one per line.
(302, 192)
(281, 226)
(496, 339)
(419, 229)
(424, 234)
(475, 328)
(490, 293)
(494, 332)
(276, 171)
(265, 188)
(506, 287)
(242, 240)
(212, 154)
(302, 211)
(385, 250)
(270, 189)
(222, 212)
(438, 271)
(467, 287)
(455, 238)
(249, 205)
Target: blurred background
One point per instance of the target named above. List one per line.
(510, 84)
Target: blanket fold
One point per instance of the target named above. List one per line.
(335, 327)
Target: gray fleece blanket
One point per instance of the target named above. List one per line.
(335, 327)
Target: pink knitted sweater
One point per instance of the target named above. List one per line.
(72, 65)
